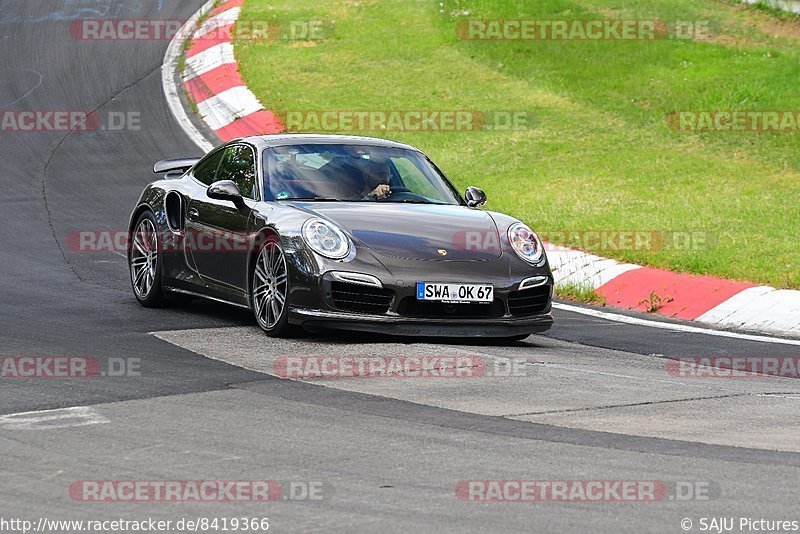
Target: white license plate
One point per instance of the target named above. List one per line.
(455, 292)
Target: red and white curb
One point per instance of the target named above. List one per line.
(212, 81)
(706, 299)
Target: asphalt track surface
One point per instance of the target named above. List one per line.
(597, 404)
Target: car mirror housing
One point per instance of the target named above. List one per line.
(225, 190)
(475, 197)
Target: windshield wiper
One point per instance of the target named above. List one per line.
(316, 199)
(411, 201)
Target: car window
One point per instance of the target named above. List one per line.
(238, 165)
(206, 170)
(350, 172)
(414, 180)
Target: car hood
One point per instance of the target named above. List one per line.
(415, 231)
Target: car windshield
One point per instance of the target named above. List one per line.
(353, 173)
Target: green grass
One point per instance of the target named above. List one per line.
(580, 292)
(600, 156)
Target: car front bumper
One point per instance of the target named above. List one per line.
(314, 320)
(396, 309)
(319, 299)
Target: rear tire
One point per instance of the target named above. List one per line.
(145, 261)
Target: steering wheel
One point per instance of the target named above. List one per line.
(401, 193)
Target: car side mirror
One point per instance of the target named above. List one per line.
(475, 197)
(225, 190)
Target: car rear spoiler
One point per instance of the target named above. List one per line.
(171, 165)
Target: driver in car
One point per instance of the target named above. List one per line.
(376, 180)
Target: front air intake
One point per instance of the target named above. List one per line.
(360, 298)
(529, 301)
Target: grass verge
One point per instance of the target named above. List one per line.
(600, 156)
(580, 293)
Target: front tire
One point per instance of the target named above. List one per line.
(144, 262)
(269, 289)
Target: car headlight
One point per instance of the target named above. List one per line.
(326, 239)
(526, 243)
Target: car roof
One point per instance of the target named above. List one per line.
(266, 141)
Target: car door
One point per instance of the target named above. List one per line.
(219, 228)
